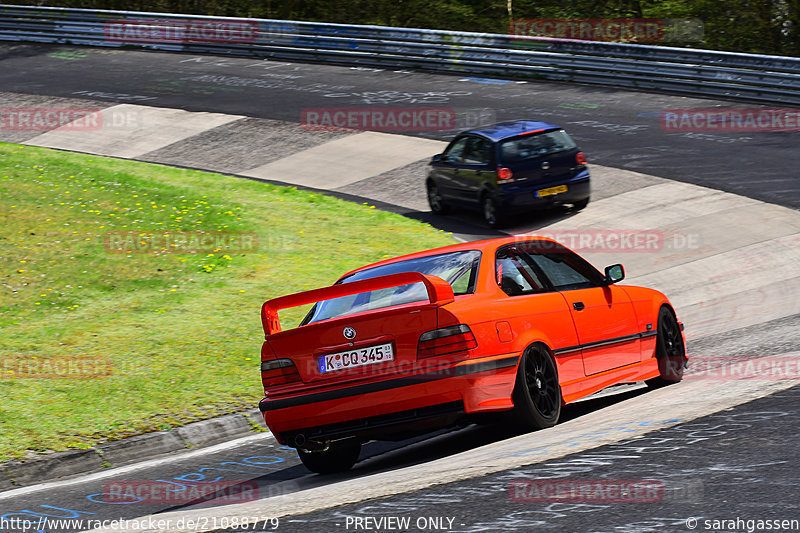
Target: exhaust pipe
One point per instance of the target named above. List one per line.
(301, 442)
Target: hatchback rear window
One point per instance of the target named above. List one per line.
(531, 146)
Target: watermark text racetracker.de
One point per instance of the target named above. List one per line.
(620, 240)
(321, 119)
(730, 120)
(768, 368)
(181, 31)
(595, 491)
(149, 523)
(217, 492)
(58, 367)
(128, 242)
(47, 118)
(378, 118)
(624, 30)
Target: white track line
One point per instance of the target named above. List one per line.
(168, 459)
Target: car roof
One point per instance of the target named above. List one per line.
(504, 130)
(490, 244)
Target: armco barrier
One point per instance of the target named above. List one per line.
(773, 79)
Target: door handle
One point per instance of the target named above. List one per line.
(578, 306)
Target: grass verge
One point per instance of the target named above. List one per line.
(156, 337)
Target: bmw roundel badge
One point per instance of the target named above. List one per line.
(349, 333)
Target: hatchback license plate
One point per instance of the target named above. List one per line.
(369, 355)
(551, 190)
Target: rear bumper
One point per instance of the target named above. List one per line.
(392, 426)
(520, 198)
(372, 409)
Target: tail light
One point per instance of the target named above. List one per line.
(444, 341)
(504, 174)
(580, 158)
(278, 372)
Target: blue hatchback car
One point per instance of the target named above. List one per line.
(507, 168)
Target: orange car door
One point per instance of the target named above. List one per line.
(606, 325)
(532, 305)
(603, 314)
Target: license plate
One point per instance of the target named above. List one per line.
(551, 190)
(369, 355)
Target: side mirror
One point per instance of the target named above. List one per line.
(437, 158)
(614, 273)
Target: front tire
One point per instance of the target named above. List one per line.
(670, 350)
(537, 393)
(435, 200)
(339, 457)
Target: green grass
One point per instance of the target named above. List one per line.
(180, 332)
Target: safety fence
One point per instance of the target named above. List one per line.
(769, 79)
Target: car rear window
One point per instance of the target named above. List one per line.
(531, 146)
(459, 269)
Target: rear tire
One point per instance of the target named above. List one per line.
(435, 200)
(339, 457)
(537, 393)
(577, 206)
(670, 350)
(491, 213)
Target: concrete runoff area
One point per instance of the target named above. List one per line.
(129, 131)
(347, 160)
(240, 145)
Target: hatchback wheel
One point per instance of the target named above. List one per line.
(491, 213)
(580, 205)
(438, 206)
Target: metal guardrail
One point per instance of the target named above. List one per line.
(769, 79)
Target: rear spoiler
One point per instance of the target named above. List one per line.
(439, 293)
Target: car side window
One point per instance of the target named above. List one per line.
(564, 269)
(537, 266)
(561, 275)
(478, 151)
(515, 275)
(455, 152)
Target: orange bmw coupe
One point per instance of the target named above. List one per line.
(511, 327)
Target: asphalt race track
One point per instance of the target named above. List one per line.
(738, 476)
(621, 127)
(725, 204)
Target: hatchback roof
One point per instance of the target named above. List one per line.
(504, 130)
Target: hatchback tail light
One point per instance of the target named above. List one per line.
(504, 175)
(580, 158)
(446, 341)
(278, 372)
